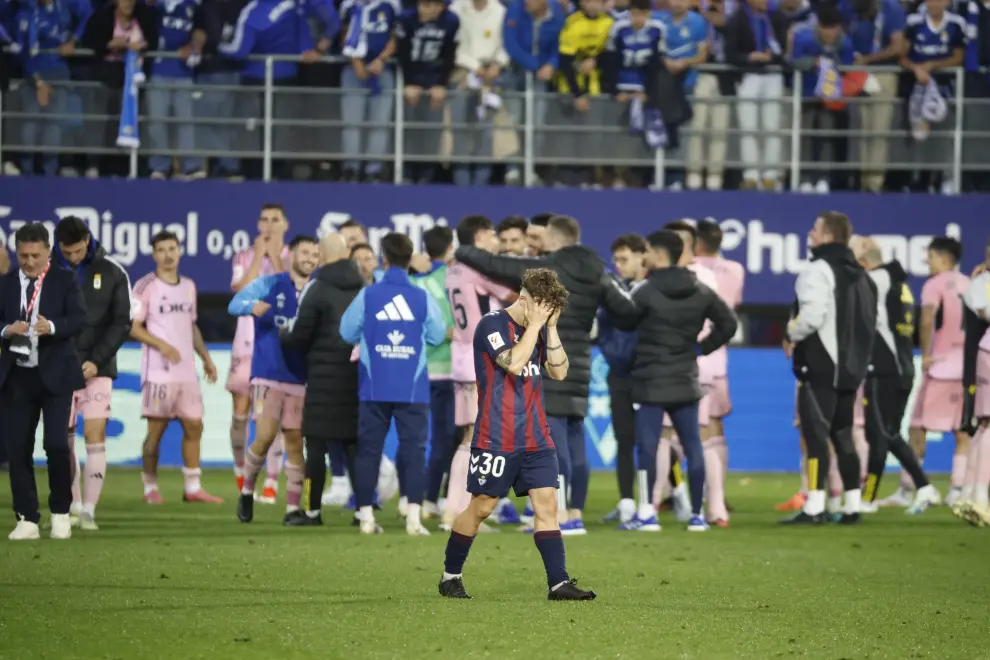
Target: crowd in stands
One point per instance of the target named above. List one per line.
(617, 63)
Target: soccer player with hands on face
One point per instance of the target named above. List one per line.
(512, 346)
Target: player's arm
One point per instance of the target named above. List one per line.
(557, 362)
(204, 354)
(812, 293)
(436, 327)
(723, 327)
(926, 324)
(121, 316)
(73, 318)
(504, 269)
(242, 279)
(247, 300)
(352, 322)
(512, 359)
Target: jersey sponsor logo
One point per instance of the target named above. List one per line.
(97, 281)
(530, 371)
(495, 339)
(395, 351)
(280, 300)
(396, 310)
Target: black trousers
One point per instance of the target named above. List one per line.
(316, 467)
(25, 401)
(624, 429)
(885, 401)
(827, 413)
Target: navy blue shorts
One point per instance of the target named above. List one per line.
(492, 473)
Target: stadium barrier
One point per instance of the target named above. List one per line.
(760, 431)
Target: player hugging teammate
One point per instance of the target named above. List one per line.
(511, 447)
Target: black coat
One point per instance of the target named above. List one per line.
(331, 406)
(673, 308)
(107, 292)
(583, 273)
(61, 302)
(740, 42)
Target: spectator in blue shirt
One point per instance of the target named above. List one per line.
(812, 46)
(426, 40)
(936, 41)
(180, 30)
(46, 25)
(531, 37)
(368, 83)
(876, 28)
(215, 74)
(686, 46)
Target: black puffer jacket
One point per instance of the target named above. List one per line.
(674, 306)
(331, 406)
(107, 291)
(582, 272)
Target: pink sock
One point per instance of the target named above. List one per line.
(862, 450)
(804, 475)
(75, 467)
(273, 463)
(293, 486)
(238, 441)
(252, 468)
(982, 438)
(150, 482)
(972, 463)
(663, 469)
(959, 462)
(96, 471)
(834, 478)
(458, 498)
(723, 456)
(714, 480)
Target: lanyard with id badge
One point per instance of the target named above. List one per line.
(21, 344)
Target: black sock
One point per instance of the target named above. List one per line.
(316, 471)
(458, 547)
(551, 547)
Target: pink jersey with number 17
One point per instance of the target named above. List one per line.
(244, 335)
(730, 277)
(471, 295)
(168, 312)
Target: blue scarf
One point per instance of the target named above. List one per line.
(127, 131)
(829, 85)
(762, 31)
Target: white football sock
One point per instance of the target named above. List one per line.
(815, 504)
(645, 509)
(854, 498)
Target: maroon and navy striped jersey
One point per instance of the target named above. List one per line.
(511, 416)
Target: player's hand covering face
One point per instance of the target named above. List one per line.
(537, 313)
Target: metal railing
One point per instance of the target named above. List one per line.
(534, 131)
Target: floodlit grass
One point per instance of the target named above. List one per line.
(190, 581)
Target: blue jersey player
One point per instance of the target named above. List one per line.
(512, 447)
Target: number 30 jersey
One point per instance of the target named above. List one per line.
(471, 296)
(511, 415)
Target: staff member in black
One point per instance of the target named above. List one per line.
(41, 312)
(106, 290)
(890, 377)
(831, 339)
(330, 409)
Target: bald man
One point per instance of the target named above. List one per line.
(330, 408)
(890, 377)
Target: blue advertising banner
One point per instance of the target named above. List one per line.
(214, 219)
(760, 431)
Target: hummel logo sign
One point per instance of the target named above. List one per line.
(474, 464)
(397, 310)
(395, 337)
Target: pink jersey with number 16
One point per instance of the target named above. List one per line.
(471, 296)
(168, 312)
(244, 335)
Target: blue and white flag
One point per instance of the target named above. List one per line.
(127, 130)
(829, 84)
(926, 106)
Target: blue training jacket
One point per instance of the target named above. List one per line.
(271, 360)
(517, 36)
(393, 321)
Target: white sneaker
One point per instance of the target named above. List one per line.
(976, 514)
(806, 188)
(714, 182)
(87, 523)
(926, 497)
(868, 507)
(822, 187)
(25, 531)
(417, 529)
(61, 526)
(900, 497)
(694, 181)
(338, 493)
(371, 527)
(403, 507)
(92, 173)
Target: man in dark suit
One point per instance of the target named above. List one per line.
(41, 312)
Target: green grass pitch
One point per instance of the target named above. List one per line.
(189, 581)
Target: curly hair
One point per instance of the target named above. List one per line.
(544, 287)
